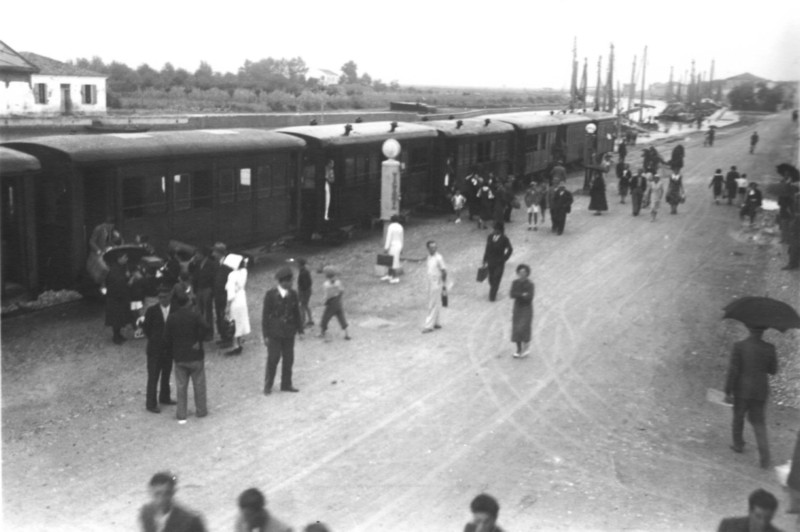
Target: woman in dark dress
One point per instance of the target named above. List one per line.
(522, 291)
(675, 193)
(486, 200)
(118, 298)
(597, 191)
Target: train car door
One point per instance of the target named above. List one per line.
(13, 227)
(308, 197)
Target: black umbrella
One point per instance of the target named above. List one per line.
(134, 253)
(787, 170)
(763, 312)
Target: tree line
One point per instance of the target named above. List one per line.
(262, 77)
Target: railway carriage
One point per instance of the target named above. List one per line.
(351, 194)
(239, 186)
(483, 144)
(18, 175)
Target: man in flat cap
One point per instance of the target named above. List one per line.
(280, 322)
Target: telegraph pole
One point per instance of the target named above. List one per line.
(644, 68)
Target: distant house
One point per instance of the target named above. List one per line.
(325, 77)
(747, 77)
(35, 85)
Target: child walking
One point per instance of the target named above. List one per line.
(332, 288)
(458, 204)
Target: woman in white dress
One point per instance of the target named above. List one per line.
(237, 299)
(393, 246)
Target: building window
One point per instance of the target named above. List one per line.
(40, 93)
(89, 94)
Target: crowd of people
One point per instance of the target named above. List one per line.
(163, 514)
(178, 305)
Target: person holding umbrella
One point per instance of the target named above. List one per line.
(752, 361)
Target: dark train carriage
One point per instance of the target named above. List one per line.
(18, 174)
(483, 144)
(355, 149)
(238, 186)
(541, 139)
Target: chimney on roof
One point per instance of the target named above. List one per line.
(394, 126)
(313, 122)
(347, 129)
(459, 123)
(487, 121)
(358, 120)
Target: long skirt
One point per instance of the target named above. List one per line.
(598, 200)
(521, 320)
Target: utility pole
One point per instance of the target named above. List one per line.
(693, 92)
(610, 81)
(644, 68)
(669, 86)
(711, 81)
(632, 90)
(597, 88)
(584, 81)
(573, 87)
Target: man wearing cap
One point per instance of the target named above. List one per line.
(159, 360)
(280, 322)
(220, 292)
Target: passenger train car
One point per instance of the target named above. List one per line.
(250, 186)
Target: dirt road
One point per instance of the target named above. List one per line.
(605, 427)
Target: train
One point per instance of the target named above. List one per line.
(251, 186)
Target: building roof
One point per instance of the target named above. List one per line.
(470, 127)
(51, 67)
(747, 76)
(12, 61)
(364, 133)
(14, 163)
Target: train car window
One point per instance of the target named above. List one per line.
(244, 187)
(226, 181)
(374, 167)
(181, 192)
(543, 141)
(531, 142)
(480, 152)
(264, 181)
(279, 176)
(292, 174)
(502, 150)
(463, 156)
(492, 150)
(418, 158)
(349, 170)
(143, 196)
(309, 175)
(202, 190)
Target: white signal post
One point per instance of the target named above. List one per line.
(390, 180)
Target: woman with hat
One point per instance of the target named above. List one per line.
(522, 291)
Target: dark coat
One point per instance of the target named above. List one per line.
(184, 334)
(522, 292)
(717, 180)
(674, 190)
(751, 361)
(730, 182)
(153, 328)
(561, 201)
(676, 162)
(220, 281)
(497, 252)
(281, 316)
(204, 274)
(118, 299)
(597, 192)
(180, 520)
(740, 524)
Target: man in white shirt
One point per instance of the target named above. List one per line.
(436, 272)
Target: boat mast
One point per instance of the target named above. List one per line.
(632, 90)
(573, 87)
(644, 69)
(610, 80)
(598, 85)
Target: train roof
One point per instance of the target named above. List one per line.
(16, 162)
(161, 144)
(365, 132)
(470, 126)
(538, 119)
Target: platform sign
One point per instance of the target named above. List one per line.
(390, 180)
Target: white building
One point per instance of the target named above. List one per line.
(325, 77)
(34, 85)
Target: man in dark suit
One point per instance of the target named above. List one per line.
(163, 514)
(498, 250)
(159, 360)
(280, 322)
(560, 206)
(204, 274)
(747, 387)
(220, 294)
(762, 506)
(183, 339)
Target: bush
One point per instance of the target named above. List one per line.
(113, 101)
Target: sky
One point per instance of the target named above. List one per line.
(496, 43)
